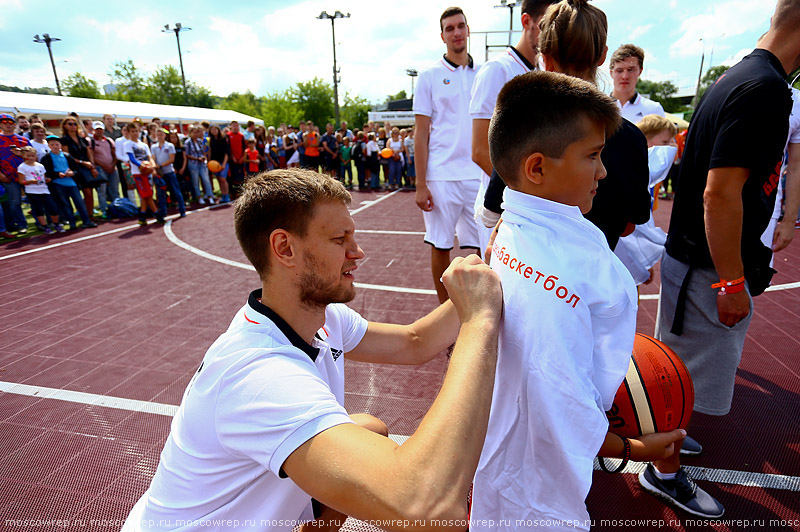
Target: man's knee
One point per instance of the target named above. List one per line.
(370, 422)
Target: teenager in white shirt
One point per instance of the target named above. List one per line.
(446, 178)
(626, 66)
(262, 426)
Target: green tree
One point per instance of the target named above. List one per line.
(246, 103)
(129, 82)
(399, 96)
(38, 90)
(315, 100)
(80, 86)
(355, 111)
(662, 92)
(164, 86)
(279, 107)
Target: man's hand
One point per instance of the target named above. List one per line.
(733, 308)
(784, 233)
(424, 198)
(657, 446)
(4, 178)
(94, 172)
(474, 289)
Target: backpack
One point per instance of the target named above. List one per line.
(122, 208)
(358, 152)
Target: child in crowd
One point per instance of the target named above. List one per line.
(346, 172)
(641, 250)
(569, 310)
(359, 154)
(60, 167)
(252, 158)
(31, 174)
(373, 165)
(142, 168)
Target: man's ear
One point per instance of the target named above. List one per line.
(533, 168)
(282, 247)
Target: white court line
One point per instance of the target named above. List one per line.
(222, 260)
(373, 203)
(380, 232)
(720, 476)
(104, 233)
(773, 288)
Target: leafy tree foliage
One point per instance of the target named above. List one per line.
(711, 75)
(662, 92)
(314, 99)
(355, 111)
(37, 90)
(80, 86)
(399, 96)
(129, 82)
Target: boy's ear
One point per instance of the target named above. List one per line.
(533, 168)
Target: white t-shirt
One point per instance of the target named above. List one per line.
(640, 107)
(372, 147)
(443, 95)
(140, 151)
(161, 156)
(397, 147)
(564, 347)
(42, 148)
(495, 73)
(35, 172)
(260, 393)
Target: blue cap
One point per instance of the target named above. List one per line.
(6, 116)
(52, 137)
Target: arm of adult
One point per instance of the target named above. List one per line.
(723, 211)
(419, 342)
(346, 467)
(784, 232)
(480, 144)
(423, 196)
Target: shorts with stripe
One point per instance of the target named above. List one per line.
(452, 215)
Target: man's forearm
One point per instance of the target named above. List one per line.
(723, 213)
(480, 145)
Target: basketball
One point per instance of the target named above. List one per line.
(214, 166)
(657, 394)
(386, 153)
(146, 169)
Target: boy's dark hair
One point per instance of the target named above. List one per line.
(280, 199)
(449, 12)
(625, 51)
(544, 112)
(536, 8)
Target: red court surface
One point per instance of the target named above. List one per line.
(101, 334)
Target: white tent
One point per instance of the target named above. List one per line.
(57, 107)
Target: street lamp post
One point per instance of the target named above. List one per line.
(178, 29)
(45, 38)
(413, 73)
(699, 75)
(510, 6)
(332, 18)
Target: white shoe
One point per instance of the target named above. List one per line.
(211, 200)
(201, 201)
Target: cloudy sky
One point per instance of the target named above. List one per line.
(270, 45)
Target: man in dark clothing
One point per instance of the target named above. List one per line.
(714, 260)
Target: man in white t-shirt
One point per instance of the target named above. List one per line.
(447, 179)
(626, 66)
(262, 426)
(512, 62)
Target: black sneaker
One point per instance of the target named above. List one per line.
(681, 492)
(691, 447)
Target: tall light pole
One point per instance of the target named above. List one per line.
(699, 75)
(413, 73)
(510, 6)
(178, 29)
(45, 38)
(332, 18)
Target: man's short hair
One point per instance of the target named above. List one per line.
(250, 123)
(544, 112)
(22, 117)
(205, 124)
(787, 15)
(36, 126)
(280, 199)
(449, 12)
(234, 122)
(536, 8)
(652, 125)
(625, 51)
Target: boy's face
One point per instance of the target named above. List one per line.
(662, 138)
(572, 178)
(54, 145)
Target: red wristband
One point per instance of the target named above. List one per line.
(734, 289)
